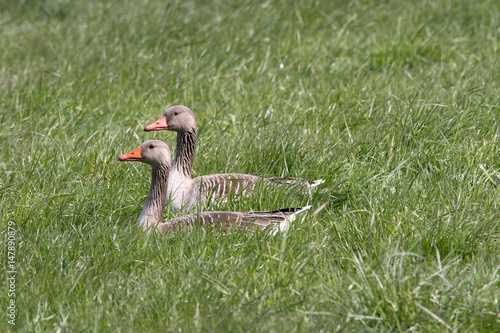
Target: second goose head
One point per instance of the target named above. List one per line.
(152, 152)
(176, 118)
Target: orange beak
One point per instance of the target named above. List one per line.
(134, 155)
(160, 124)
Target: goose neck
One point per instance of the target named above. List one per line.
(184, 155)
(155, 201)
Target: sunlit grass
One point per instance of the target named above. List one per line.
(394, 104)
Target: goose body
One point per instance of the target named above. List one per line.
(157, 154)
(279, 220)
(185, 192)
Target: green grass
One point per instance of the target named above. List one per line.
(395, 104)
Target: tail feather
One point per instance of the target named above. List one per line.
(287, 214)
(284, 211)
(316, 182)
(286, 224)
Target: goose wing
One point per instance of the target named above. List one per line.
(261, 220)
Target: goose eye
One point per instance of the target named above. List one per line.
(176, 113)
(151, 146)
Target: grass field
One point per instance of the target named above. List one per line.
(395, 104)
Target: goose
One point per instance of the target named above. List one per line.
(184, 191)
(157, 154)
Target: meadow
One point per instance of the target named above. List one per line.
(396, 105)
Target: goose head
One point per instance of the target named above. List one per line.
(153, 152)
(176, 118)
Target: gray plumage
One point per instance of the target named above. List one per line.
(227, 220)
(184, 191)
(157, 154)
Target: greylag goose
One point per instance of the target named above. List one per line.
(157, 154)
(184, 191)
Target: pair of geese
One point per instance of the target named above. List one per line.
(172, 182)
